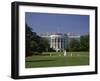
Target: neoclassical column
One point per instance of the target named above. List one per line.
(60, 43)
(63, 43)
(56, 43)
(51, 43)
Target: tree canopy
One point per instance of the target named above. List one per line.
(74, 45)
(84, 41)
(34, 43)
(79, 45)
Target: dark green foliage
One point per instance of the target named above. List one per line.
(84, 42)
(74, 45)
(51, 50)
(34, 43)
(79, 45)
(44, 45)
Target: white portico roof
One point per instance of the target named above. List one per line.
(56, 36)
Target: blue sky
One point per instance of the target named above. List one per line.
(60, 23)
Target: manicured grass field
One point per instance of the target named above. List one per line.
(55, 59)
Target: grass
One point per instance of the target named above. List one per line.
(55, 59)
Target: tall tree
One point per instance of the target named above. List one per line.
(74, 45)
(84, 42)
(34, 43)
(29, 40)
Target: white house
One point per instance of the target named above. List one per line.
(59, 41)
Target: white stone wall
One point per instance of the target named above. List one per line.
(60, 42)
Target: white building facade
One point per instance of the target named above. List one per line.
(59, 42)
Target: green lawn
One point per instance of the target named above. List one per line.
(55, 59)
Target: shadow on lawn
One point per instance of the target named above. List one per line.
(39, 60)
